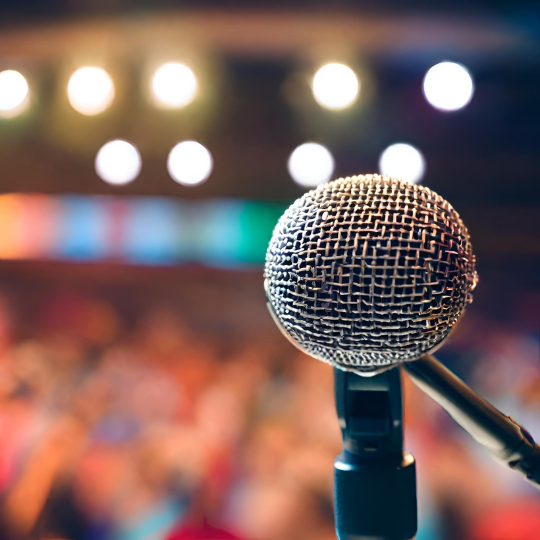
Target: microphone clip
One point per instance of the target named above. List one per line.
(370, 413)
(374, 480)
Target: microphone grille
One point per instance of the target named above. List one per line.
(368, 271)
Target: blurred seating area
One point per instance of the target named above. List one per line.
(124, 415)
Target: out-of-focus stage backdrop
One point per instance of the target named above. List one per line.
(147, 150)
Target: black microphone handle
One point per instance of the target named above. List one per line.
(374, 480)
(507, 441)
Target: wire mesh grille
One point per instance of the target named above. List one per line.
(368, 271)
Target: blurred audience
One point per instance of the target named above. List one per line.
(120, 429)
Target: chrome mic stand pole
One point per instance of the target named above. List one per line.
(374, 480)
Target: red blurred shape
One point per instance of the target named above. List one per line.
(201, 532)
(513, 521)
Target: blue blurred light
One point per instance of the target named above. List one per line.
(152, 231)
(216, 232)
(84, 228)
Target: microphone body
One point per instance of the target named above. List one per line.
(374, 480)
(367, 272)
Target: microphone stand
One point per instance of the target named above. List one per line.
(506, 441)
(374, 480)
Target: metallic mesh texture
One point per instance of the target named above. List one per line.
(367, 271)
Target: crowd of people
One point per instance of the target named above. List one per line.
(147, 428)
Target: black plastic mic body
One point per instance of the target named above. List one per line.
(374, 480)
(507, 441)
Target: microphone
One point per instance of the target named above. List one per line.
(367, 273)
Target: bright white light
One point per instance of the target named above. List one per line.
(335, 86)
(311, 164)
(189, 163)
(448, 86)
(90, 90)
(404, 162)
(13, 92)
(174, 85)
(118, 162)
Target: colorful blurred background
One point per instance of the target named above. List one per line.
(146, 151)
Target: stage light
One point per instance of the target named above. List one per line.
(118, 162)
(189, 163)
(174, 85)
(13, 92)
(404, 162)
(335, 86)
(90, 90)
(448, 86)
(311, 164)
